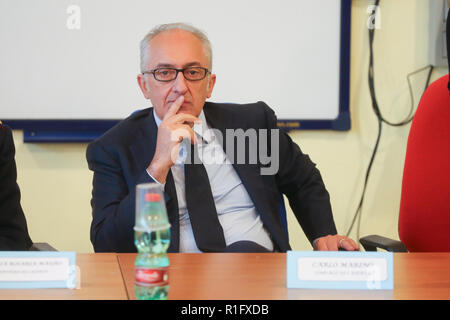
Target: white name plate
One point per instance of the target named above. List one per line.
(20, 269)
(340, 270)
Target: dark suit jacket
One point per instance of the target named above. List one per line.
(13, 226)
(120, 157)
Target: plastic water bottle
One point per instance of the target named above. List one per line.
(152, 239)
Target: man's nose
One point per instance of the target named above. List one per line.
(180, 85)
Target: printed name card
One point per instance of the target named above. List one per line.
(340, 270)
(20, 269)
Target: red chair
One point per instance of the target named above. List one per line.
(424, 220)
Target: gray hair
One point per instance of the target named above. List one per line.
(145, 43)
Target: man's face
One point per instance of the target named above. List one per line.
(176, 49)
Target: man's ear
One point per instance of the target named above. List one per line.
(210, 85)
(143, 85)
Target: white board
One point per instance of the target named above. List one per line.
(284, 52)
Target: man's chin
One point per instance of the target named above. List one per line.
(187, 110)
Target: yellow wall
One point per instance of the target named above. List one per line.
(56, 183)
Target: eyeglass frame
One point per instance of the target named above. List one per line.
(177, 71)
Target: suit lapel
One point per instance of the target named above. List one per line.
(218, 119)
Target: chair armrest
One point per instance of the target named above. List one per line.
(42, 246)
(372, 242)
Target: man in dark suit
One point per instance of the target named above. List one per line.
(13, 226)
(176, 60)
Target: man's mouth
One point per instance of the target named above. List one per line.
(184, 104)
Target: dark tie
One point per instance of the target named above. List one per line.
(172, 212)
(208, 232)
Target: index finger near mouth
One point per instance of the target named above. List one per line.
(173, 109)
(185, 118)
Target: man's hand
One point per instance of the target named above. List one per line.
(333, 243)
(172, 130)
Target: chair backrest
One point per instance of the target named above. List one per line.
(424, 221)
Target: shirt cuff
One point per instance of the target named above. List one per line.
(163, 184)
(314, 242)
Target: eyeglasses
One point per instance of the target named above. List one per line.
(169, 74)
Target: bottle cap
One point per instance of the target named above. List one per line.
(152, 197)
